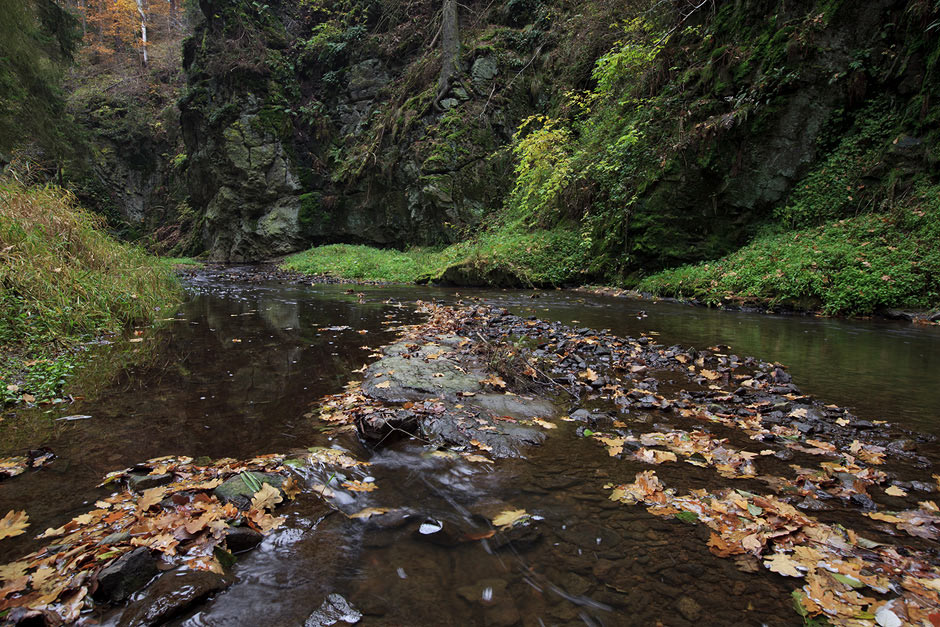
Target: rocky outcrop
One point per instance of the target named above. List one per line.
(298, 132)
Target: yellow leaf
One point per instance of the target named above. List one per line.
(384, 385)
(895, 491)
(544, 423)
(369, 512)
(470, 457)
(784, 565)
(711, 375)
(495, 381)
(360, 486)
(266, 498)
(510, 517)
(13, 524)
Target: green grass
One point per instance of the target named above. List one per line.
(365, 263)
(179, 261)
(541, 257)
(853, 266)
(64, 280)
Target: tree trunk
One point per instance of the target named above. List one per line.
(450, 47)
(143, 29)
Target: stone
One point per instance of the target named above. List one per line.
(520, 537)
(483, 70)
(172, 594)
(140, 482)
(126, 575)
(414, 379)
(335, 609)
(689, 608)
(239, 539)
(239, 493)
(483, 591)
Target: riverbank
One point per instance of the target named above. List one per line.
(65, 282)
(851, 268)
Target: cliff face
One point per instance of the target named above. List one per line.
(318, 122)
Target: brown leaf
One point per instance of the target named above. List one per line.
(783, 564)
(13, 524)
(359, 486)
(266, 498)
(151, 497)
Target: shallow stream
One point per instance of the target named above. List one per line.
(236, 368)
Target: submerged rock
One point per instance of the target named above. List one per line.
(171, 595)
(240, 539)
(335, 609)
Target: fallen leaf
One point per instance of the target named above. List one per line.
(384, 385)
(544, 423)
(13, 524)
(266, 498)
(360, 486)
(369, 512)
(783, 565)
(291, 487)
(151, 497)
(895, 491)
(495, 381)
(482, 459)
(510, 517)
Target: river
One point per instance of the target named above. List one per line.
(234, 371)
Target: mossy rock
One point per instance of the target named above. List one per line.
(237, 491)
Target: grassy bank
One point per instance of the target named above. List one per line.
(508, 255)
(63, 281)
(853, 266)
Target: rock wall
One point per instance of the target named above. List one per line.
(303, 127)
(316, 122)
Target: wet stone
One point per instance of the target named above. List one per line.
(483, 591)
(141, 482)
(590, 536)
(335, 609)
(690, 609)
(126, 575)
(519, 537)
(171, 595)
(239, 493)
(240, 539)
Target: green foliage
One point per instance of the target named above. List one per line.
(851, 266)
(543, 170)
(64, 280)
(626, 63)
(835, 188)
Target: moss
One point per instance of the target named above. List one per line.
(312, 216)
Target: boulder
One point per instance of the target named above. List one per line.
(171, 595)
(126, 575)
(239, 493)
(335, 609)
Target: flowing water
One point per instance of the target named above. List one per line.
(234, 371)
